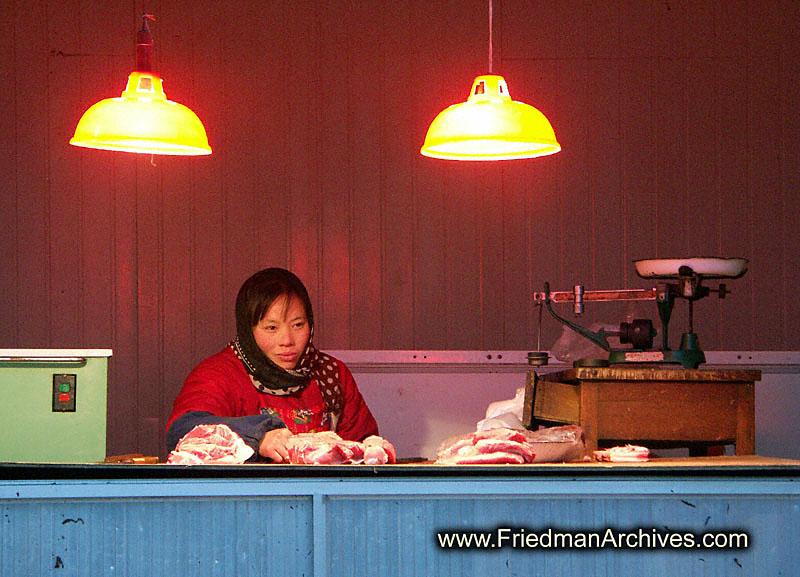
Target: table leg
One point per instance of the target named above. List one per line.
(745, 420)
(589, 415)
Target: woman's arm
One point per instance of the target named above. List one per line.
(214, 393)
(251, 429)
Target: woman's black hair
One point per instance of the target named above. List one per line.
(262, 289)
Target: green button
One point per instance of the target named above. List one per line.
(64, 387)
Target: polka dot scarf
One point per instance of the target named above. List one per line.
(325, 371)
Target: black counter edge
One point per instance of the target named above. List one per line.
(111, 472)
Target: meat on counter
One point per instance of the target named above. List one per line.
(623, 454)
(219, 445)
(328, 448)
(504, 445)
(212, 445)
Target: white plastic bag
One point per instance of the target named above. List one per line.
(504, 414)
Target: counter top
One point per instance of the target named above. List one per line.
(727, 466)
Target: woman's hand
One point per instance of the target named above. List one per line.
(273, 445)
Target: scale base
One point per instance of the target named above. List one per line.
(689, 355)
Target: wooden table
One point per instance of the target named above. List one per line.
(654, 406)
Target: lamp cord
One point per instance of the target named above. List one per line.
(144, 45)
(490, 37)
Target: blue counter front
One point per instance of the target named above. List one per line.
(548, 520)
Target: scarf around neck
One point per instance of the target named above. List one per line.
(269, 378)
(266, 375)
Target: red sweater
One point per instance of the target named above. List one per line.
(221, 385)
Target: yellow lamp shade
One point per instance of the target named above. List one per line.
(142, 120)
(490, 126)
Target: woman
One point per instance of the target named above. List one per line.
(271, 382)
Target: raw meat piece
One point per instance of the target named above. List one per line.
(505, 445)
(454, 447)
(183, 458)
(353, 450)
(499, 458)
(218, 444)
(501, 434)
(211, 445)
(328, 448)
(495, 446)
(626, 454)
(522, 449)
(378, 451)
(325, 448)
(304, 449)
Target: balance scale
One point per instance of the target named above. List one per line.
(687, 274)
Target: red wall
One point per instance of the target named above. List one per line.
(678, 122)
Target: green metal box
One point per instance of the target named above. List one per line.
(53, 405)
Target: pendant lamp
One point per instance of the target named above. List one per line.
(489, 125)
(142, 120)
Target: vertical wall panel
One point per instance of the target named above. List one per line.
(463, 199)
(192, 238)
(577, 256)
(123, 366)
(109, 58)
(367, 103)
(702, 207)
(602, 116)
(32, 259)
(669, 185)
(95, 74)
(8, 167)
(462, 265)
(430, 257)
(173, 41)
(398, 176)
(541, 192)
(491, 276)
(65, 206)
(176, 333)
(150, 287)
(336, 227)
(96, 309)
(225, 214)
(604, 196)
(304, 152)
(265, 123)
(790, 176)
(736, 203)
(519, 260)
(227, 211)
(764, 171)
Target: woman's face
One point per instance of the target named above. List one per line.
(283, 332)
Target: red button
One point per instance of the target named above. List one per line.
(63, 397)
